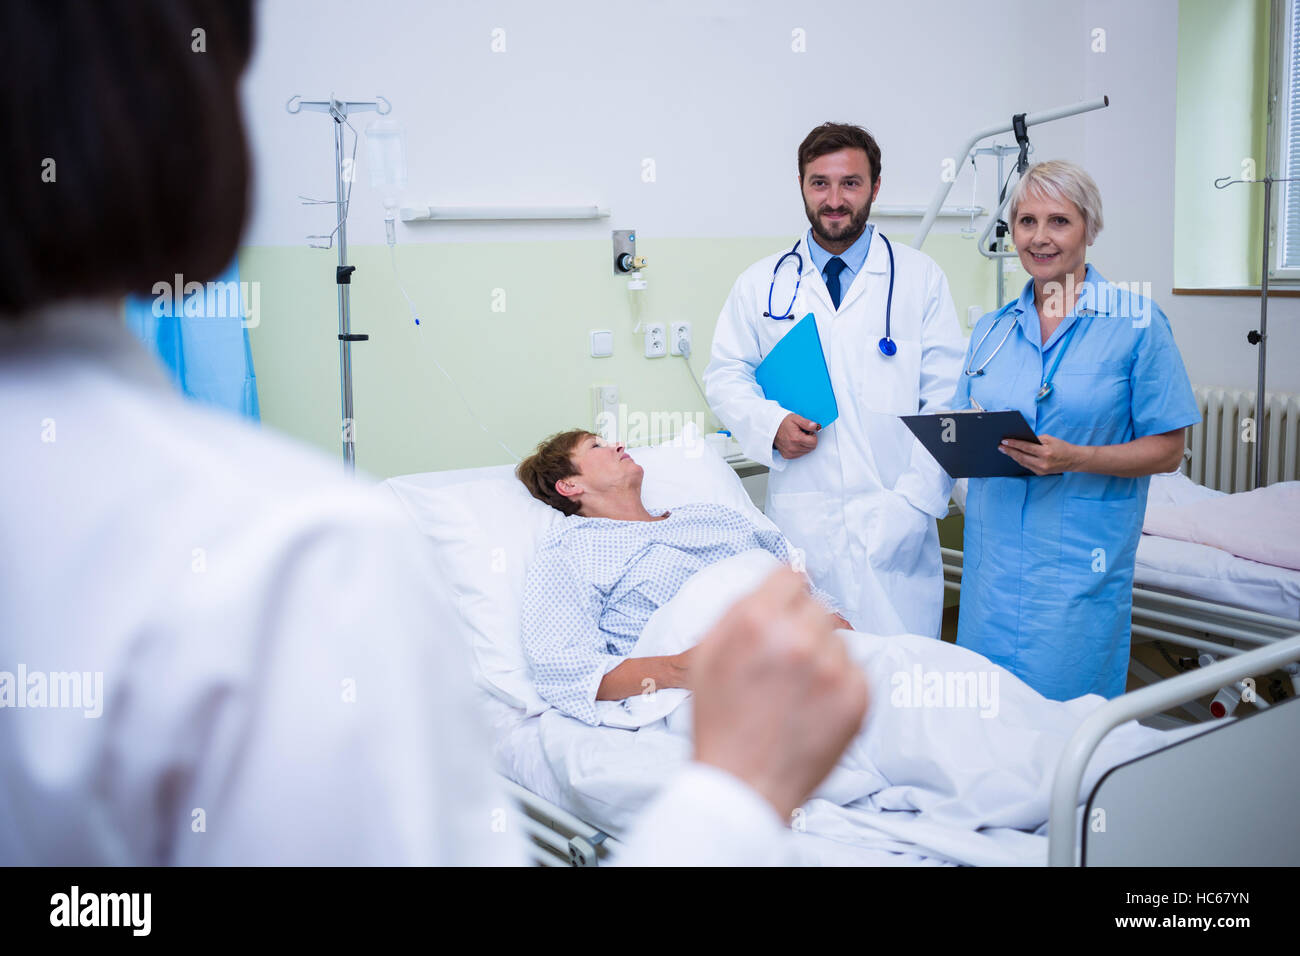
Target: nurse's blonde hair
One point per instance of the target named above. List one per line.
(1060, 179)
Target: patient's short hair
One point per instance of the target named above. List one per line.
(550, 463)
(124, 160)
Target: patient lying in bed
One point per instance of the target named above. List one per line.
(957, 755)
(598, 577)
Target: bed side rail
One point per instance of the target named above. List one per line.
(557, 837)
(1062, 827)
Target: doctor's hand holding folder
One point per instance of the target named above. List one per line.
(966, 444)
(794, 375)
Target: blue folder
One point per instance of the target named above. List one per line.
(795, 376)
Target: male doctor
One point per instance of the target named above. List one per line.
(859, 496)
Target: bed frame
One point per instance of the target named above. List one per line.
(1205, 627)
(1199, 802)
(1148, 806)
(1162, 798)
(559, 838)
(555, 836)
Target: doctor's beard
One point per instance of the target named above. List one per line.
(848, 232)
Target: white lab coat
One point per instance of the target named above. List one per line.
(862, 505)
(277, 685)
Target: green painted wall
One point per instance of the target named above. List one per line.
(526, 370)
(1221, 123)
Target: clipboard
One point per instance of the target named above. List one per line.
(965, 443)
(795, 376)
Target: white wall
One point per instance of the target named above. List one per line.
(713, 93)
(585, 91)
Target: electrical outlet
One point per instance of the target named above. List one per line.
(656, 340)
(681, 335)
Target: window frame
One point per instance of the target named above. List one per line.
(1283, 56)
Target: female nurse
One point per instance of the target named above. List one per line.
(1048, 569)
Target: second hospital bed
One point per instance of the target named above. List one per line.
(1184, 566)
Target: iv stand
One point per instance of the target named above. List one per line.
(1019, 124)
(1260, 336)
(338, 111)
(997, 249)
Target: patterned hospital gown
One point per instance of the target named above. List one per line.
(596, 581)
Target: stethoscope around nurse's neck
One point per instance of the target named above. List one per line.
(887, 346)
(1045, 389)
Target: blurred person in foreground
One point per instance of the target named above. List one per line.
(292, 690)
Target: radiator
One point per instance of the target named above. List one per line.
(1221, 449)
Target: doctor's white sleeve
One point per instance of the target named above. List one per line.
(924, 484)
(733, 392)
(706, 817)
(348, 733)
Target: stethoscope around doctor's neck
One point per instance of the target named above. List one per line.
(886, 345)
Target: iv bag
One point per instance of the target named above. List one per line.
(386, 150)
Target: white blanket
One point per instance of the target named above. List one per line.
(954, 763)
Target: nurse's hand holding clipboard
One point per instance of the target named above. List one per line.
(1050, 456)
(1143, 456)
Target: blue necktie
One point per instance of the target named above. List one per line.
(833, 270)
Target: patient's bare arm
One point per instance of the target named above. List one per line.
(630, 678)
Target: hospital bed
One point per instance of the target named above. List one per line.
(1198, 593)
(1205, 573)
(1188, 593)
(1194, 596)
(445, 506)
(482, 548)
(1206, 800)
(1210, 629)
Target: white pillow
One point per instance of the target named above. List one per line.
(688, 470)
(486, 531)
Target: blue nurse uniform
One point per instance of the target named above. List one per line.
(1047, 573)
